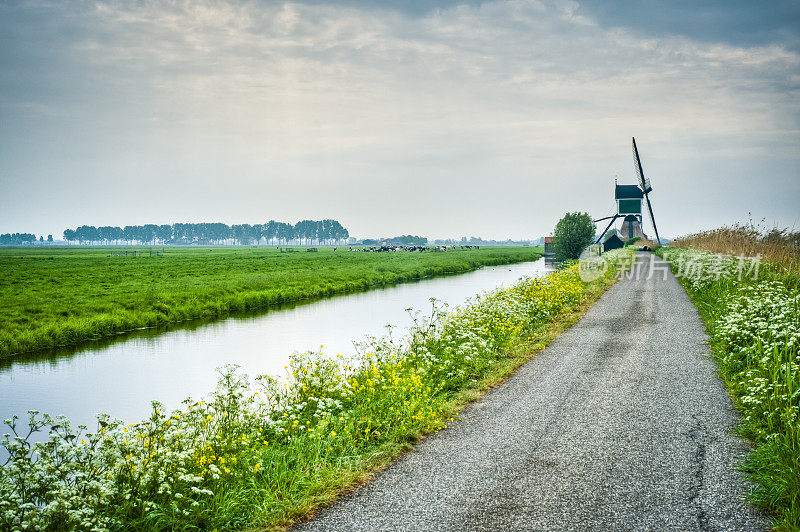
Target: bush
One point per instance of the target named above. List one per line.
(631, 241)
(573, 233)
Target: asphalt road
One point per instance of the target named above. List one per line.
(620, 424)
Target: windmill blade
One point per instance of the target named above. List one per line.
(652, 218)
(644, 184)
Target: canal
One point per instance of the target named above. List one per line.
(121, 377)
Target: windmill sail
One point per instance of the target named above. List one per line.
(644, 184)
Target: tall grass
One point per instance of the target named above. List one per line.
(779, 247)
(63, 297)
(266, 455)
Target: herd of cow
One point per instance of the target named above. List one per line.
(387, 249)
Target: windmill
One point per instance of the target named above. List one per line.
(629, 204)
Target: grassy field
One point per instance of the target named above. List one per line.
(753, 319)
(65, 296)
(265, 454)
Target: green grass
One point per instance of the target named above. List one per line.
(54, 297)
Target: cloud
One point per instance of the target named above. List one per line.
(511, 90)
(329, 69)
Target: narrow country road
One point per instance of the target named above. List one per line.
(620, 424)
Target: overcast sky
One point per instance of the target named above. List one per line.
(438, 118)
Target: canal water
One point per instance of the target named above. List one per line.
(122, 376)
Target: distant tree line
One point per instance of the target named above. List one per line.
(17, 239)
(304, 232)
(407, 240)
(478, 241)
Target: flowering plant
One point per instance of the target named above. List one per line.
(251, 453)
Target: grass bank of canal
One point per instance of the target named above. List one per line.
(120, 376)
(270, 452)
(56, 297)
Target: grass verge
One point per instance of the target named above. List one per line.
(267, 454)
(753, 319)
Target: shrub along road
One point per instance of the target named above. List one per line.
(620, 423)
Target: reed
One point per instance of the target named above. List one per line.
(777, 246)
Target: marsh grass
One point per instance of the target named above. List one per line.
(269, 453)
(54, 297)
(779, 247)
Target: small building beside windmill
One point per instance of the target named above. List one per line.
(613, 241)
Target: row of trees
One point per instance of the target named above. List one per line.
(20, 239)
(402, 240)
(304, 232)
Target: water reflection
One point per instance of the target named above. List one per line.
(122, 376)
